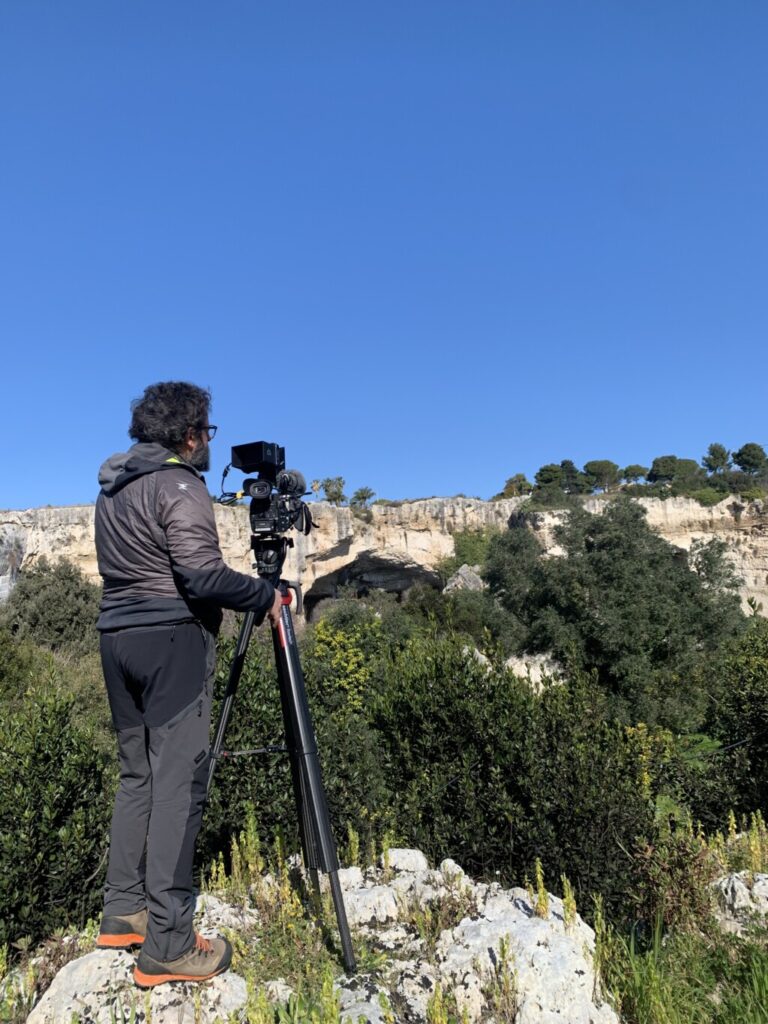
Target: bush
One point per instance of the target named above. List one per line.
(752, 493)
(348, 750)
(451, 754)
(485, 771)
(20, 664)
(674, 870)
(54, 818)
(475, 614)
(623, 603)
(739, 714)
(708, 496)
(687, 978)
(55, 606)
(470, 547)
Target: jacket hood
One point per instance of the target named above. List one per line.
(142, 458)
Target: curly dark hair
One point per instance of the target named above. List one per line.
(166, 411)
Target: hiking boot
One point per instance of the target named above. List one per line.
(123, 931)
(206, 959)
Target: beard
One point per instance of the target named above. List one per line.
(200, 458)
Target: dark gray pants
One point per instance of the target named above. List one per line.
(160, 683)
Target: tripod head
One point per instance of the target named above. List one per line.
(277, 504)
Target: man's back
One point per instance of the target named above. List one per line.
(158, 546)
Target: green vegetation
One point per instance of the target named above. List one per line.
(55, 605)
(599, 779)
(515, 487)
(623, 604)
(362, 498)
(470, 547)
(333, 488)
(688, 978)
(751, 458)
(602, 474)
(54, 816)
(708, 482)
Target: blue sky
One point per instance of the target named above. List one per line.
(423, 245)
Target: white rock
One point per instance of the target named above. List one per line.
(278, 990)
(407, 860)
(466, 577)
(535, 668)
(377, 905)
(469, 996)
(362, 999)
(212, 913)
(429, 886)
(351, 878)
(395, 937)
(416, 986)
(404, 544)
(552, 965)
(451, 871)
(99, 989)
(741, 899)
(90, 987)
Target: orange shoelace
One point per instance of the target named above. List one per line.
(202, 944)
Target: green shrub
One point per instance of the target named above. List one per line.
(470, 547)
(485, 771)
(547, 498)
(473, 613)
(455, 755)
(739, 714)
(687, 978)
(54, 605)
(708, 496)
(21, 663)
(674, 869)
(348, 750)
(55, 806)
(623, 603)
(752, 493)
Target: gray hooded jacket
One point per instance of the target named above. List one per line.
(158, 547)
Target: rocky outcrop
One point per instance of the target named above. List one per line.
(394, 546)
(502, 955)
(741, 901)
(98, 989)
(466, 577)
(388, 546)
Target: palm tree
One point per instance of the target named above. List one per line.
(361, 497)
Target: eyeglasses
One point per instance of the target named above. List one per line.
(210, 431)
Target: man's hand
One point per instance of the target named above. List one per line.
(274, 612)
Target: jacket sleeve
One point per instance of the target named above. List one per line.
(185, 513)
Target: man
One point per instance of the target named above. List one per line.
(165, 583)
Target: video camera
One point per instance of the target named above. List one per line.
(276, 493)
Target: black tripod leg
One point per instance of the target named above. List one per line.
(235, 671)
(309, 842)
(320, 847)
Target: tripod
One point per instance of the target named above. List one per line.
(317, 841)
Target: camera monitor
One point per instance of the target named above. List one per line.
(263, 457)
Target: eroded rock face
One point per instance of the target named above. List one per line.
(395, 546)
(495, 956)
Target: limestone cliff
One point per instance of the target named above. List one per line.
(393, 546)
